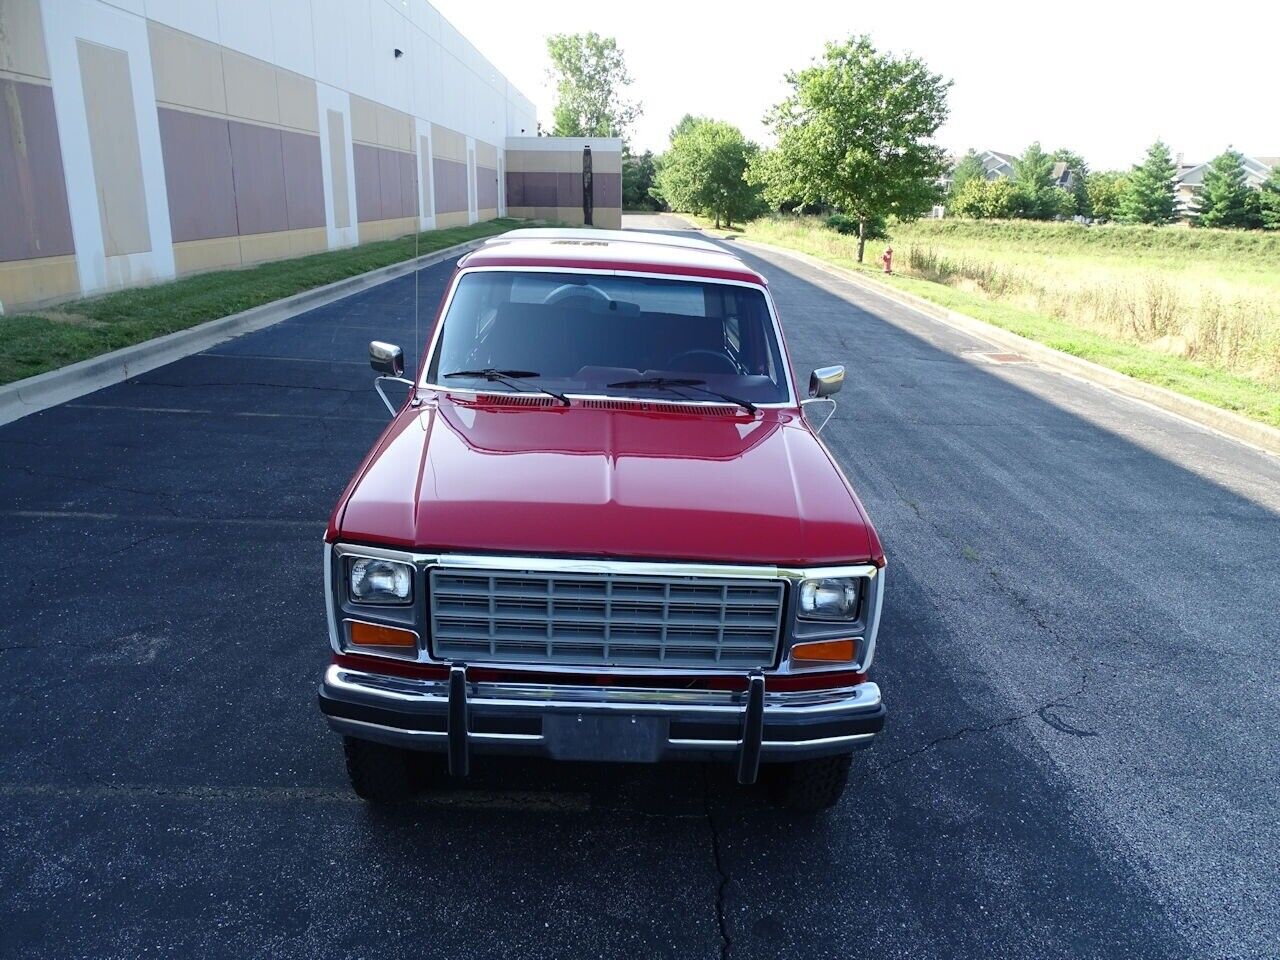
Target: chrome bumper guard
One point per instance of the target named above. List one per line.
(458, 716)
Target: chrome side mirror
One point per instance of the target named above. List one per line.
(388, 359)
(824, 381)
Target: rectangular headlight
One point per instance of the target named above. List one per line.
(372, 580)
(829, 598)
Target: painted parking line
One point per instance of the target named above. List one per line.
(195, 411)
(462, 799)
(161, 517)
(282, 359)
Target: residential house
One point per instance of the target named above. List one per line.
(997, 165)
(1189, 180)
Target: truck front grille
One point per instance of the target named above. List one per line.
(604, 619)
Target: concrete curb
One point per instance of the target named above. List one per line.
(1231, 424)
(49, 389)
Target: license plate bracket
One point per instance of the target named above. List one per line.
(601, 737)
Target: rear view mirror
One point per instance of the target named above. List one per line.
(386, 358)
(825, 381)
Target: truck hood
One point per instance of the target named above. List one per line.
(607, 479)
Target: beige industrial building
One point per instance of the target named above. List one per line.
(141, 140)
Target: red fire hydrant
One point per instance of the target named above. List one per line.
(887, 260)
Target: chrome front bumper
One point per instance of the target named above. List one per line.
(460, 717)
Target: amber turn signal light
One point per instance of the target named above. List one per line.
(375, 635)
(823, 651)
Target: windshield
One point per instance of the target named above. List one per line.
(605, 334)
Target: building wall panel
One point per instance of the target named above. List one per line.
(113, 145)
(33, 193)
(38, 280)
(303, 179)
(298, 107)
(187, 70)
(368, 182)
(448, 144)
(486, 187)
(408, 184)
(258, 163)
(424, 172)
(389, 179)
(251, 88)
(198, 175)
(22, 39)
(338, 169)
(364, 121)
(450, 185)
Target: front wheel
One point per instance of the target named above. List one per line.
(378, 773)
(807, 786)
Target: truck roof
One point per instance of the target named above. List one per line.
(632, 251)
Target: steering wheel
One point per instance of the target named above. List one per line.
(567, 290)
(722, 360)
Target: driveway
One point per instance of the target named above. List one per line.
(1077, 653)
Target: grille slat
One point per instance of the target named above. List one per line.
(598, 619)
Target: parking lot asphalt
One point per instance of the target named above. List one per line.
(1078, 654)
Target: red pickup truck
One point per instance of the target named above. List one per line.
(601, 527)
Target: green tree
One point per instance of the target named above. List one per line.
(1079, 176)
(637, 180)
(1060, 204)
(856, 132)
(1033, 178)
(704, 172)
(765, 174)
(591, 79)
(969, 168)
(1225, 199)
(1149, 195)
(988, 200)
(687, 123)
(1269, 200)
(1105, 189)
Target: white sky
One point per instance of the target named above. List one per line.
(1102, 78)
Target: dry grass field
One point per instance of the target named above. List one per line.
(1196, 310)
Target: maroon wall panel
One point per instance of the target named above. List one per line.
(258, 167)
(606, 189)
(389, 173)
(569, 190)
(451, 185)
(486, 187)
(303, 180)
(197, 175)
(408, 184)
(515, 189)
(368, 189)
(539, 190)
(34, 218)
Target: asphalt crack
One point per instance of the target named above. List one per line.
(722, 887)
(155, 495)
(1041, 711)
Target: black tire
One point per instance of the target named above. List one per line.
(378, 773)
(807, 786)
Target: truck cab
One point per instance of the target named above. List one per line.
(601, 526)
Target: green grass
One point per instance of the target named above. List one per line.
(33, 343)
(1042, 307)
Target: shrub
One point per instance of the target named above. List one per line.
(877, 228)
(988, 200)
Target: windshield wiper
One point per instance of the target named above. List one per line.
(674, 383)
(512, 378)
